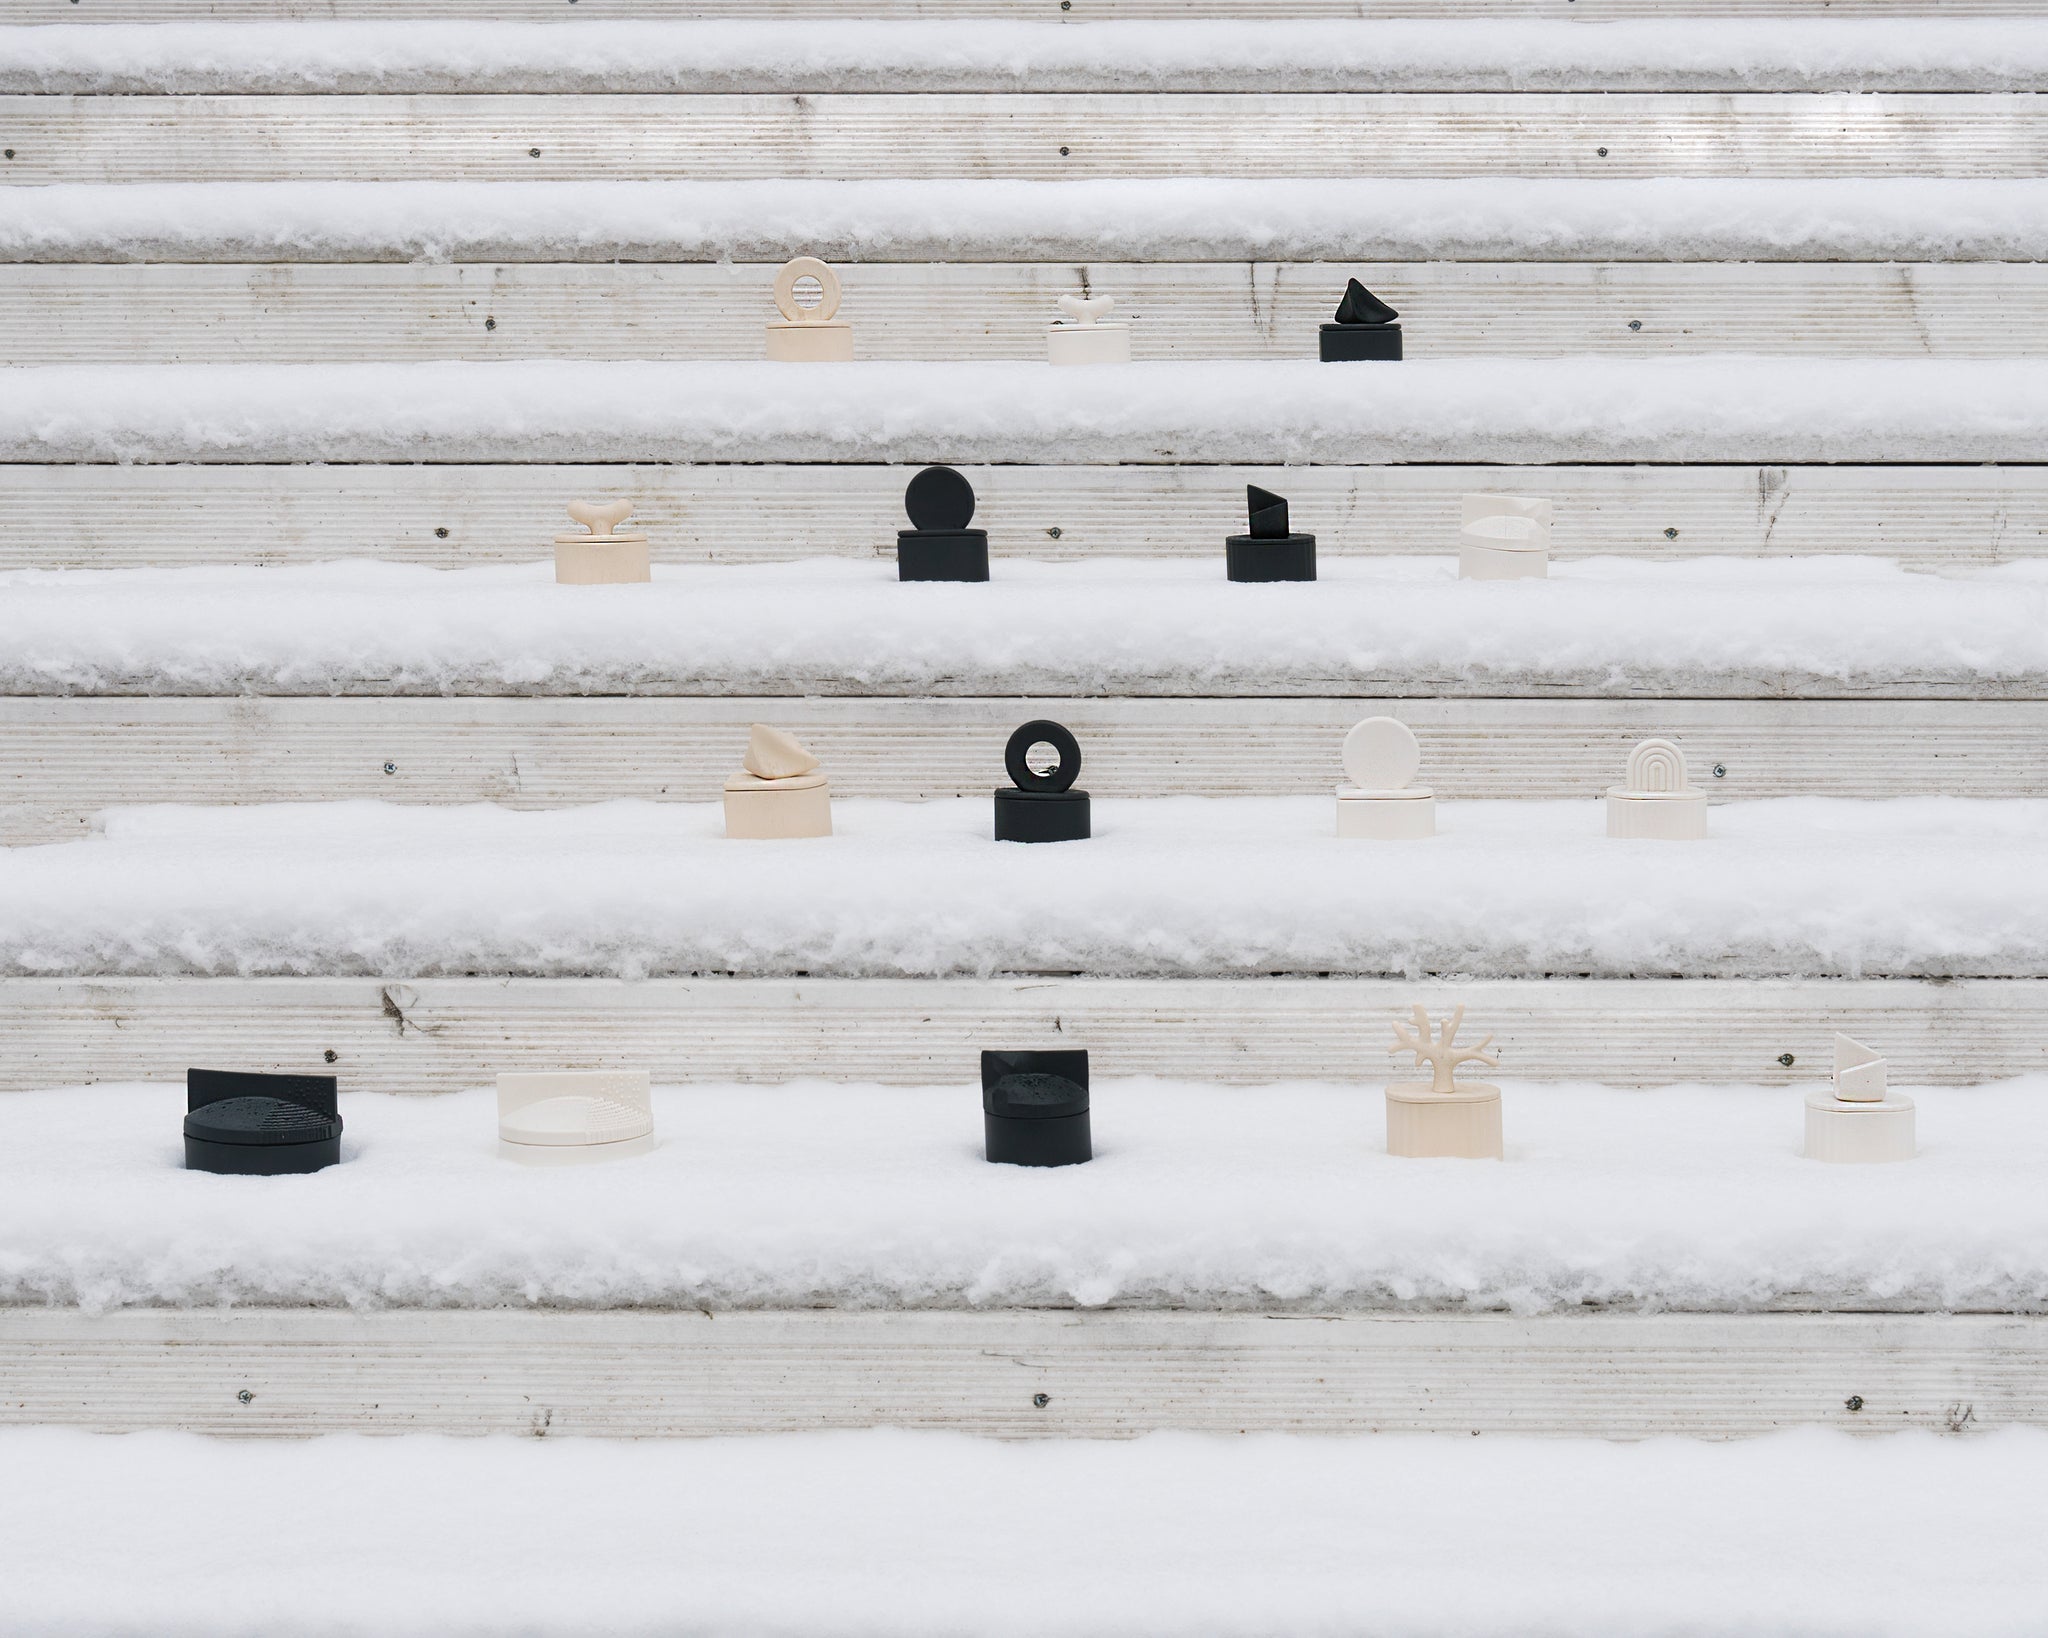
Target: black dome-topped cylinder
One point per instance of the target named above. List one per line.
(938, 545)
(1034, 1108)
(1042, 807)
(1365, 330)
(1271, 551)
(260, 1125)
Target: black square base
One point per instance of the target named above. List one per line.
(261, 1159)
(1349, 343)
(1063, 1142)
(942, 554)
(1291, 557)
(1042, 816)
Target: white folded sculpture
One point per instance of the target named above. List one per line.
(1504, 537)
(1442, 1116)
(780, 794)
(560, 1118)
(1381, 756)
(1656, 802)
(808, 335)
(602, 555)
(1858, 1120)
(1084, 338)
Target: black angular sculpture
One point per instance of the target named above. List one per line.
(1042, 807)
(1034, 1108)
(1270, 551)
(938, 545)
(260, 1125)
(1365, 328)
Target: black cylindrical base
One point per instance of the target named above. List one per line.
(1062, 1142)
(1291, 557)
(260, 1159)
(1042, 816)
(942, 554)
(1349, 343)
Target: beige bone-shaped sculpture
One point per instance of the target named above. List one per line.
(1087, 310)
(601, 517)
(1437, 1051)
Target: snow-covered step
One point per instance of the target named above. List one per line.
(348, 313)
(955, 134)
(457, 516)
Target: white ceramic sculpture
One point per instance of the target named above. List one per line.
(1381, 756)
(1655, 802)
(1504, 537)
(780, 794)
(1442, 1116)
(602, 555)
(1084, 338)
(553, 1119)
(808, 335)
(1858, 1120)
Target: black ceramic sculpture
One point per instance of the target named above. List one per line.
(1270, 551)
(1365, 328)
(1042, 807)
(260, 1125)
(938, 545)
(1034, 1108)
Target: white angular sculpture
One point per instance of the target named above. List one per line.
(601, 555)
(1084, 338)
(780, 794)
(1656, 803)
(1442, 1116)
(1381, 756)
(1858, 1120)
(808, 335)
(1504, 537)
(555, 1119)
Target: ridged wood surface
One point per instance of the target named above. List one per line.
(1054, 1374)
(1047, 11)
(566, 138)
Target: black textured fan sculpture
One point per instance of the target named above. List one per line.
(1271, 551)
(1042, 807)
(1034, 1108)
(1365, 329)
(938, 545)
(260, 1125)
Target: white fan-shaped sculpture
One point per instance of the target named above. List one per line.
(1381, 756)
(1656, 801)
(601, 554)
(809, 335)
(556, 1118)
(779, 793)
(1504, 537)
(1858, 1119)
(1084, 337)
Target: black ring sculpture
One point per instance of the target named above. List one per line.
(1042, 807)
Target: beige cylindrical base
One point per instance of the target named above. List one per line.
(1680, 816)
(1498, 563)
(1088, 343)
(1386, 816)
(766, 813)
(810, 343)
(1460, 1125)
(574, 1154)
(596, 562)
(1858, 1133)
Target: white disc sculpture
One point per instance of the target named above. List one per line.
(1504, 537)
(554, 1119)
(809, 335)
(601, 555)
(1442, 1116)
(1084, 338)
(780, 794)
(1656, 802)
(1381, 756)
(1858, 1120)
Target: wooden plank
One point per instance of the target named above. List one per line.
(428, 1035)
(54, 314)
(1032, 135)
(115, 517)
(1061, 1374)
(1045, 11)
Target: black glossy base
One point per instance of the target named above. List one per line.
(1292, 557)
(1350, 343)
(1063, 1142)
(1042, 816)
(942, 554)
(260, 1159)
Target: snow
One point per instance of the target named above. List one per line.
(1275, 1197)
(1170, 887)
(831, 625)
(1728, 408)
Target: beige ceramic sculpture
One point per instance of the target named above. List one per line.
(1381, 756)
(1858, 1119)
(1655, 802)
(781, 794)
(1084, 337)
(554, 1119)
(601, 555)
(809, 335)
(1442, 1116)
(1504, 537)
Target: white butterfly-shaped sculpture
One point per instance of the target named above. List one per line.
(1084, 310)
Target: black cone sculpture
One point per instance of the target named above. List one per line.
(1365, 328)
(938, 545)
(1270, 551)
(1034, 1108)
(1042, 807)
(260, 1125)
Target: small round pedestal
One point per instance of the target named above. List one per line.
(1385, 816)
(1062, 1141)
(1460, 1125)
(1042, 816)
(1658, 816)
(777, 809)
(1858, 1133)
(1349, 343)
(1252, 558)
(942, 554)
(1477, 562)
(1088, 343)
(810, 343)
(591, 561)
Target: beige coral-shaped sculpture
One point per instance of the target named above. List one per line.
(1438, 1051)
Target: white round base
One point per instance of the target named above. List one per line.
(575, 1154)
(1680, 816)
(1497, 563)
(810, 343)
(1386, 816)
(1463, 1125)
(601, 562)
(1851, 1133)
(1088, 343)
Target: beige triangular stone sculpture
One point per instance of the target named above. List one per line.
(1083, 337)
(1859, 1119)
(1657, 801)
(1504, 537)
(1442, 1116)
(603, 554)
(778, 794)
(772, 754)
(808, 335)
(551, 1119)
(1381, 756)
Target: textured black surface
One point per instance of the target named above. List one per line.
(1359, 343)
(1361, 306)
(1292, 557)
(1268, 513)
(260, 1120)
(1043, 816)
(939, 498)
(942, 554)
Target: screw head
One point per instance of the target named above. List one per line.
(1602, 152)
(1066, 5)
(1786, 1059)
(441, 534)
(330, 1055)
(391, 767)
(490, 324)
(1635, 324)
(1054, 532)
(245, 1396)
(1063, 153)
(534, 153)
(1720, 770)
(1041, 1400)
(1670, 534)
(1854, 1402)
(9, 153)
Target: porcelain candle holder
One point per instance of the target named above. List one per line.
(1858, 1120)
(1083, 337)
(559, 1119)
(602, 555)
(1364, 330)
(1034, 1108)
(260, 1125)
(1656, 802)
(1442, 1117)
(938, 545)
(1042, 807)
(808, 335)
(1271, 551)
(778, 795)
(1381, 757)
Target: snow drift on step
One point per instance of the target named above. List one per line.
(1729, 408)
(1172, 887)
(858, 1195)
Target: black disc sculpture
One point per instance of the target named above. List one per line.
(1271, 551)
(938, 545)
(1042, 807)
(1365, 328)
(260, 1125)
(1034, 1108)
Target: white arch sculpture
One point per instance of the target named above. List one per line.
(1657, 802)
